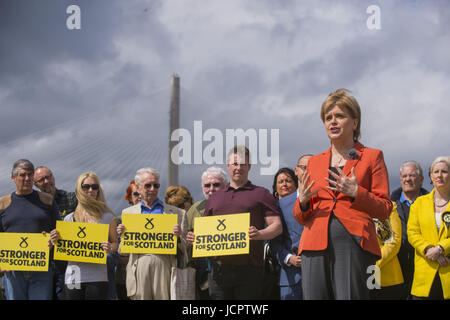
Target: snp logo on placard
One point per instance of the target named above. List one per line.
(81, 234)
(149, 225)
(23, 243)
(221, 226)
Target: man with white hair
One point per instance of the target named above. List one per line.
(148, 275)
(213, 179)
(411, 179)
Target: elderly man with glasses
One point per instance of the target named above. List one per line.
(411, 179)
(213, 179)
(148, 275)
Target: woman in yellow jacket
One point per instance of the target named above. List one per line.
(389, 277)
(428, 233)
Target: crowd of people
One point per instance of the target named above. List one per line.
(329, 229)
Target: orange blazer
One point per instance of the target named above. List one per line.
(372, 201)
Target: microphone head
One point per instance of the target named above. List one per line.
(352, 154)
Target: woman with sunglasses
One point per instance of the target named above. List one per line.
(89, 281)
(132, 197)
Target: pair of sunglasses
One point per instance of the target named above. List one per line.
(90, 186)
(215, 184)
(149, 185)
(136, 194)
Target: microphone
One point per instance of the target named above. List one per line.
(352, 154)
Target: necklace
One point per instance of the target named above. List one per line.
(440, 205)
(338, 164)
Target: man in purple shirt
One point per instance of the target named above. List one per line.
(241, 276)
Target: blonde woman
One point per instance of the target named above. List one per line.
(88, 281)
(429, 234)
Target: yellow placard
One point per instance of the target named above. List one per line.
(149, 233)
(221, 235)
(81, 242)
(24, 251)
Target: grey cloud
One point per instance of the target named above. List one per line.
(98, 99)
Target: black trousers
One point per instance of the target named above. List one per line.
(87, 291)
(338, 272)
(228, 282)
(436, 292)
(395, 292)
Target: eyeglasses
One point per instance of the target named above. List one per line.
(89, 186)
(303, 167)
(215, 184)
(136, 194)
(43, 179)
(412, 176)
(149, 185)
(235, 164)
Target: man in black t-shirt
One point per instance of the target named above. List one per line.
(27, 211)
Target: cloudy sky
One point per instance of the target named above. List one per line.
(97, 98)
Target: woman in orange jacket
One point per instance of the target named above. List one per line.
(344, 188)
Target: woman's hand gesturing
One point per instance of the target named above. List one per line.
(304, 191)
(343, 184)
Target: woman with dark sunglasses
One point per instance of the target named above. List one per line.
(132, 197)
(89, 281)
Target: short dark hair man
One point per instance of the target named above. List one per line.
(27, 211)
(411, 179)
(241, 276)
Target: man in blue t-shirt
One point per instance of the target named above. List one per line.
(27, 211)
